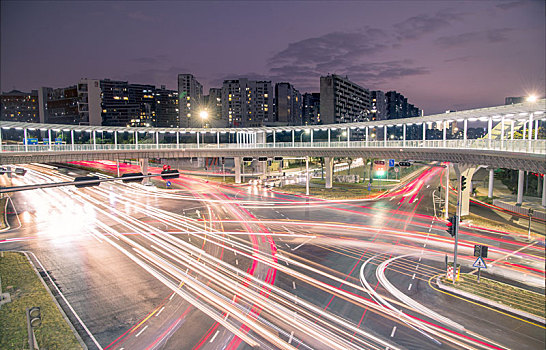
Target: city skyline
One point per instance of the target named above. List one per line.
(439, 55)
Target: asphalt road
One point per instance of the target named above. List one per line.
(206, 266)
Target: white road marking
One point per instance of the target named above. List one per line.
(294, 284)
(291, 336)
(172, 296)
(428, 186)
(409, 287)
(142, 330)
(413, 277)
(236, 261)
(419, 260)
(430, 229)
(160, 311)
(393, 331)
(417, 267)
(424, 245)
(214, 337)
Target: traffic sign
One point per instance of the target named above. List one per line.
(396, 170)
(479, 263)
(391, 162)
(168, 183)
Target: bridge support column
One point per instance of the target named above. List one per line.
(329, 165)
(446, 204)
(143, 162)
(491, 180)
(544, 190)
(521, 178)
(237, 161)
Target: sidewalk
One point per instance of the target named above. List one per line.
(506, 200)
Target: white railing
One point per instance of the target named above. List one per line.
(523, 146)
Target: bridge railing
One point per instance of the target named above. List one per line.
(524, 146)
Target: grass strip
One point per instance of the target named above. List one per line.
(338, 190)
(502, 293)
(27, 290)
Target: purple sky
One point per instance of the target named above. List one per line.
(440, 54)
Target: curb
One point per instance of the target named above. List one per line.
(65, 317)
(490, 302)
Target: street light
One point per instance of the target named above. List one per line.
(532, 98)
(342, 134)
(204, 114)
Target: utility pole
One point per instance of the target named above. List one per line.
(458, 218)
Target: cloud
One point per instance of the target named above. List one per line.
(507, 5)
(494, 36)
(417, 26)
(330, 47)
(139, 16)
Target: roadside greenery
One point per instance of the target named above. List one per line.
(338, 190)
(26, 290)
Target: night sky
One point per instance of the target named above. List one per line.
(440, 54)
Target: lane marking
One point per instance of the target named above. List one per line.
(291, 336)
(393, 331)
(142, 330)
(413, 277)
(294, 284)
(236, 261)
(172, 296)
(163, 308)
(214, 337)
(409, 288)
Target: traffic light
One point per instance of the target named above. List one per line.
(379, 162)
(170, 174)
(477, 250)
(78, 181)
(463, 183)
(277, 158)
(247, 159)
(131, 175)
(262, 159)
(404, 163)
(452, 225)
(35, 316)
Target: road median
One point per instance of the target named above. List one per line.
(515, 300)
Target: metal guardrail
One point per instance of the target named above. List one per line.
(523, 146)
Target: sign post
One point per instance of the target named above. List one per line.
(480, 251)
(480, 264)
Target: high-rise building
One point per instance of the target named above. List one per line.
(311, 108)
(60, 106)
(342, 101)
(89, 101)
(213, 104)
(190, 94)
(398, 106)
(19, 106)
(166, 108)
(379, 105)
(288, 104)
(247, 103)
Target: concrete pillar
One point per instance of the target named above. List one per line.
(385, 135)
(544, 190)
(521, 179)
(329, 132)
(367, 136)
(404, 134)
(489, 129)
(157, 139)
(177, 139)
(424, 131)
(444, 133)
(136, 139)
(446, 204)
(329, 165)
(218, 139)
(49, 138)
(198, 137)
(72, 138)
(237, 161)
(274, 138)
(502, 132)
(144, 170)
(25, 139)
(293, 141)
(491, 180)
(306, 176)
(94, 140)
